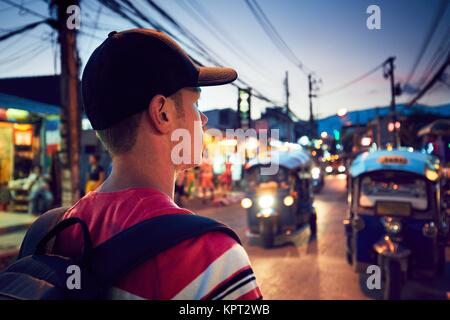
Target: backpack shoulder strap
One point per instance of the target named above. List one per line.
(39, 230)
(113, 259)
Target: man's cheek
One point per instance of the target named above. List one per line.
(197, 142)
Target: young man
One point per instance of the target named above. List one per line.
(139, 87)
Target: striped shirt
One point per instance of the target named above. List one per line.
(211, 266)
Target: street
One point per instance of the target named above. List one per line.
(316, 268)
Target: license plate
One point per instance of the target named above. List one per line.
(393, 208)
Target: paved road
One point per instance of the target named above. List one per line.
(315, 268)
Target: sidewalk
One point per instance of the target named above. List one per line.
(10, 222)
(13, 227)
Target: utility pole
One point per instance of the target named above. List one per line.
(389, 73)
(286, 85)
(378, 121)
(312, 82)
(70, 112)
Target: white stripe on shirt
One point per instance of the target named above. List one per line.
(222, 268)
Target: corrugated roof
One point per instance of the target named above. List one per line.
(43, 89)
(9, 101)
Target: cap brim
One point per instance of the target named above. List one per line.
(213, 76)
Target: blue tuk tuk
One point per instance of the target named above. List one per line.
(279, 203)
(395, 219)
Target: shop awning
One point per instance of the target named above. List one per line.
(8, 101)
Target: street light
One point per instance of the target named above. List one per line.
(366, 141)
(342, 112)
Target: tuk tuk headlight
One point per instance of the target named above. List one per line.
(329, 169)
(341, 169)
(246, 203)
(266, 201)
(392, 226)
(315, 173)
(288, 201)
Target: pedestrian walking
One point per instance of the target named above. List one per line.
(207, 180)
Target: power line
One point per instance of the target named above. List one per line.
(97, 17)
(199, 44)
(90, 35)
(22, 59)
(199, 47)
(17, 54)
(22, 29)
(21, 7)
(432, 82)
(201, 15)
(118, 8)
(274, 36)
(12, 7)
(194, 39)
(200, 19)
(55, 52)
(352, 82)
(437, 58)
(436, 21)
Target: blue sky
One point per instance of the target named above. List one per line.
(329, 37)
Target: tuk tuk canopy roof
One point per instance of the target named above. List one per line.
(401, 160)
(287, 159)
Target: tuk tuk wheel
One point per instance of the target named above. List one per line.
(393, 281)
(313, 223)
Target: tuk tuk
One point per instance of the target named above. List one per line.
(395, 220)
(279, 205)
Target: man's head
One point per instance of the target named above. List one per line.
(163, 116)
(93, 159)
(139, 85)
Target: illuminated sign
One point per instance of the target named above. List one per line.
(23, 134)
(17, 115)
(392, 160)
(244, 108)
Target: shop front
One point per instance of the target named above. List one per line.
(29, 135)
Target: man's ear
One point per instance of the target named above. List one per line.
(159, 113)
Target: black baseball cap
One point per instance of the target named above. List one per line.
(130, 67)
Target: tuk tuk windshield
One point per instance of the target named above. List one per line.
(390, 186)
(255, 178)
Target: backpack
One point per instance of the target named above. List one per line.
(40, 275)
